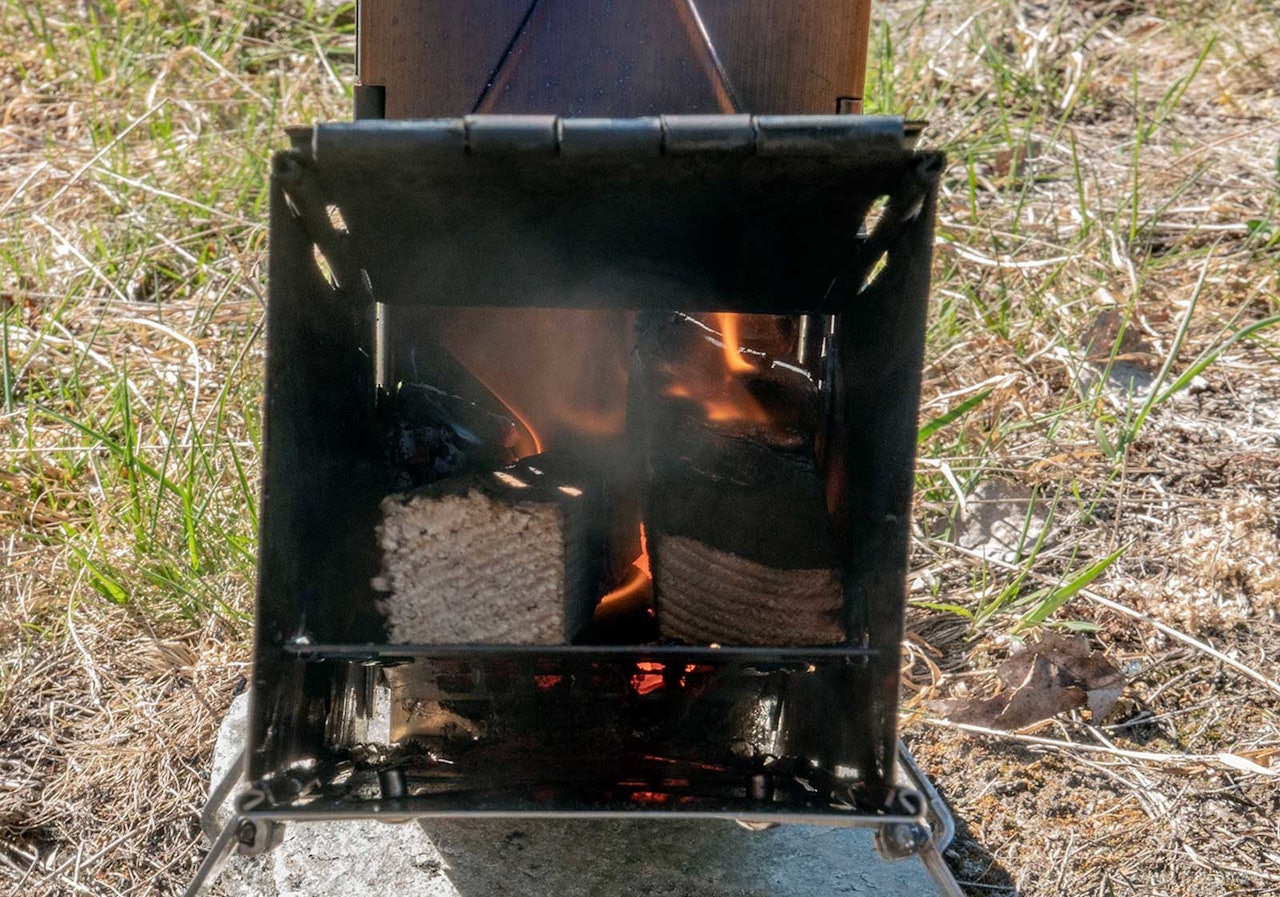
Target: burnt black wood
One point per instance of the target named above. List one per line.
(746, 488)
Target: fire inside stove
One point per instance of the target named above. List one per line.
(588, 467)
(592, 477)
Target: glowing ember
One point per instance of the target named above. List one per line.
(653, 676)
(649, 797)
(691, 668)
(545, 682)
(649, 679)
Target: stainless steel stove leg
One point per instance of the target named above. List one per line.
(925, 840)
(239, 835)
(219, 853)
(209, 814)
(939, 871)
(222, 839)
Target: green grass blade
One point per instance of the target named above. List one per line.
(103, 582)
(1061, 596)
(951, 415)
(1211, 355)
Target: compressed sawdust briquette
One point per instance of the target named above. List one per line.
(499, 558)
(707, 595)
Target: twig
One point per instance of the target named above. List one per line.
(1233, 762)
(75, 250)
(167, 194)
(102, 152)
(195, 359)
(1218, 866)
(1272, 685)
(324, 63)
(21, 188)
(34, 864)
(12, 865)
(95, 683)
(978, 258)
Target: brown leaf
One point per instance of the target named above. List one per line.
(1054, 674)
(1041, 695)
(1084, 667)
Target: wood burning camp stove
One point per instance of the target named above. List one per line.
(590, 428)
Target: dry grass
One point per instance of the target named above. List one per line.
(1110, 218)
(133, 139)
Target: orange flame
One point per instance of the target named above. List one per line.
(642, 562)
(521, 450)
(562, 372)
(638, 577)
(526, 440)
(732, 402)
(749, 411)
(637, 581)
(724, 398)
(729, 330)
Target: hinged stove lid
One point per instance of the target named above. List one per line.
(757, 213)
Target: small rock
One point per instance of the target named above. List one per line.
(1002, 520)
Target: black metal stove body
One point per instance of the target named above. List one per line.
(666, 216)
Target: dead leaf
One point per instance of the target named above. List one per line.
(1116, 346)
(1054, 674)
(1257, 762)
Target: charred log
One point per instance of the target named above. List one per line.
(739, 535)
(439, 421)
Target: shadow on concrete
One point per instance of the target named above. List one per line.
(588, 858)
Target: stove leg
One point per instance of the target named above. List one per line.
(209, 814)
(938, 870)
(247, 837)
(925, 840)
(213, 864)
(899, 840)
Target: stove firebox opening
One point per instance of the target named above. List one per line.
(588, 472)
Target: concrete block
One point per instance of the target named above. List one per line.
(560, 858)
